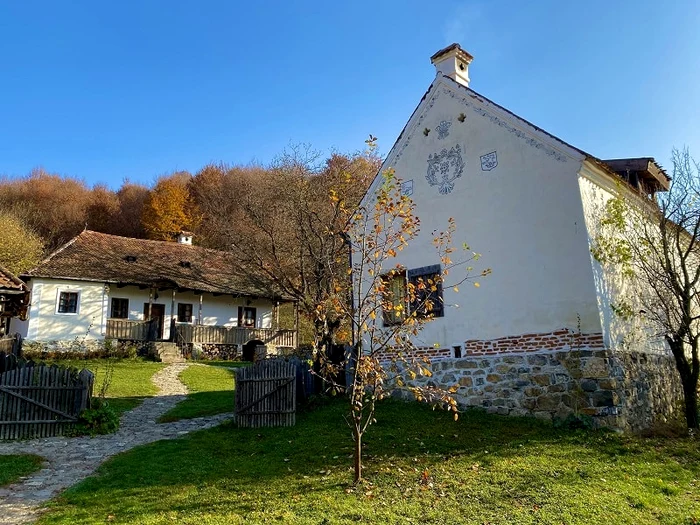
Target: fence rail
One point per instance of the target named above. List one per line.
(42, 401)
(187, 333)
(131, 330)
(266, 394)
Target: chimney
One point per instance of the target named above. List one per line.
(185, 238)
(453, 62)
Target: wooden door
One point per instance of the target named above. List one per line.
(157, 312)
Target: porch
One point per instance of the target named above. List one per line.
(186, 333)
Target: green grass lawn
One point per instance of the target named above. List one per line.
(422, 467)
(131, 380)
(211, 391)
(14, 467)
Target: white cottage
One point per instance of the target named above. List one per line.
(100, 286)
(538, 336)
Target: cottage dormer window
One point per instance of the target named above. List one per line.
(130, 258)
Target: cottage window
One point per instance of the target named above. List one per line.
(246, 316)
(184, 313)
(394, 297)
(417, 291)
(426, 298)
(67, 302)
(120, 308)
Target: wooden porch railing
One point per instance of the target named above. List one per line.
(131, 330)
(187, 333)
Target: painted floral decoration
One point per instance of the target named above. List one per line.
(443, 129)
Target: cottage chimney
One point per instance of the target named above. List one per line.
(453, 62)
(185, 238)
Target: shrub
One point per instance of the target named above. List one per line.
(100, 418)
(42, 352)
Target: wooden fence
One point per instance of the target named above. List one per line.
(131, 330)
(266, 394)
(42, 401)
(188, 333)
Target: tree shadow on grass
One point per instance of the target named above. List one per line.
(201, 404)
(122, 405)
(321, 439)
(411, 448)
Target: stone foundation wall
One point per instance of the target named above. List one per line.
(560, 373)
(87, 347)
(649, 389)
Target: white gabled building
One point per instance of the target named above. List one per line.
(538, 336)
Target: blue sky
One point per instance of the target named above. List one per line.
(110, 90)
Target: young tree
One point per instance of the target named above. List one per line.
(654, 247)
(20, 247)
(168, 208)
(387, 310)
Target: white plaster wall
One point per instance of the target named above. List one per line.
(611, 288)
(525, 217)
(45, 324)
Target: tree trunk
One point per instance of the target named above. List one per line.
(358, 456)
(688, 380)
(690, 398)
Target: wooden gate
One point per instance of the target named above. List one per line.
(42, 401)
(266, 394)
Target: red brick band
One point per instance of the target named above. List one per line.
(563, 339)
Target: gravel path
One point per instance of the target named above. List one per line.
(70, 460)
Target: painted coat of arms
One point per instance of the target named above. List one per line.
(489, 161)
(444, 168)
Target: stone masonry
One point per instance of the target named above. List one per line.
(556, 374)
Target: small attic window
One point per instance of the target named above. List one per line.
(130, 258)
(186, 264)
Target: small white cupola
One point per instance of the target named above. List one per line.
(185, 238)
(453, 62)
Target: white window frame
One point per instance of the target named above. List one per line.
(58, 300)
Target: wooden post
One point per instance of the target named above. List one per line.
(199, 316)
(172, 318)
(150, 304)
(296, 324)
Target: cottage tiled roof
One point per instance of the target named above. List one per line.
(93, 256)
(10, 283)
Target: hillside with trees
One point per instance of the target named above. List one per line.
(280, 218)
